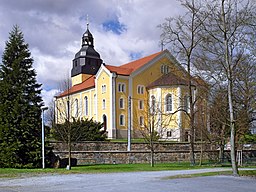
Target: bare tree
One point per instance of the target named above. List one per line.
(182, 34)
(227, 33)
(63, 114)
(152, 123)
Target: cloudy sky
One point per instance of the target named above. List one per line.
(123, 30)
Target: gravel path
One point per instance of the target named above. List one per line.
(129, 182)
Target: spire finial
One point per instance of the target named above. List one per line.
(87, 19)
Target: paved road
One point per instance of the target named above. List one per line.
(129, 182)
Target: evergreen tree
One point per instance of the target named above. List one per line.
(20, 102)
(80, 130)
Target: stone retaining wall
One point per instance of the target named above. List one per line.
(116, 153)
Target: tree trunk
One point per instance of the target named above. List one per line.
(152, 158)
(69, 153)
(201, 152)
(221, 152)
(230, 89)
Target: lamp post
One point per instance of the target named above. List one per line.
(43, 108)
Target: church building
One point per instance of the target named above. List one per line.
(148, 93)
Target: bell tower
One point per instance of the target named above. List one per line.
(87, 61)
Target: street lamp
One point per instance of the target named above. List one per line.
(43, 108)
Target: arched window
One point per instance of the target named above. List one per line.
(103, 104)
(153, 104)
(121, 103)
(67, 115)
(123, 87)
(186, 103)
(85, 105)
(121, 120)
(140, 89)
(168, 103)
(141, 121)
(95, 103)
(141, 104)
(104, 117)
(76, 108)
(162, 69)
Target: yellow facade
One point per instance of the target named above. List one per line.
(79, 79)
(107, 100)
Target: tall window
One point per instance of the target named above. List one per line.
(186, 103)
(141, 104)
(140, 89)
(103, 104)
(168, 103)
(76, 108)
(103, 88)
(95, 104)
(153, 104)
(121, 103)
(85, 105)
(141, 121)
(165, 69)
(68, 109)
(121, 120)
(121, 87)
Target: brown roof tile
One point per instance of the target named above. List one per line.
(169, 79)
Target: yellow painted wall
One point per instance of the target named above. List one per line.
(79, 79)
(61, 107)
(123, 95)
(146, 77)
(170, 117)
(103, 79)
(91, 104)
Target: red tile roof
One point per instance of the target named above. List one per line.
(128, 68)
(125, 69)
(119, 70)
(134, 65)
(87, 84)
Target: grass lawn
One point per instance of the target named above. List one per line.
(107, 168)
(247, 173)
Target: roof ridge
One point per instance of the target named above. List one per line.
(137, 60)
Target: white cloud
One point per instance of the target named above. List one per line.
(54, 30)
(48, 96)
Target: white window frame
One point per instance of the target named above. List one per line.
(153, 105)
(121, 105)
(165, 69)
(95, 104)
(104, 88)
(141, 104)
(186, 103)
(167, 105)
(76, 108)
(169, 134)
(140, 89)
(122, 120)
(141, 121)
(86, 107)
(103, 104)
(121, 87)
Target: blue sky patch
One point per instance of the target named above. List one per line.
(115, 26)
(135, 55)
